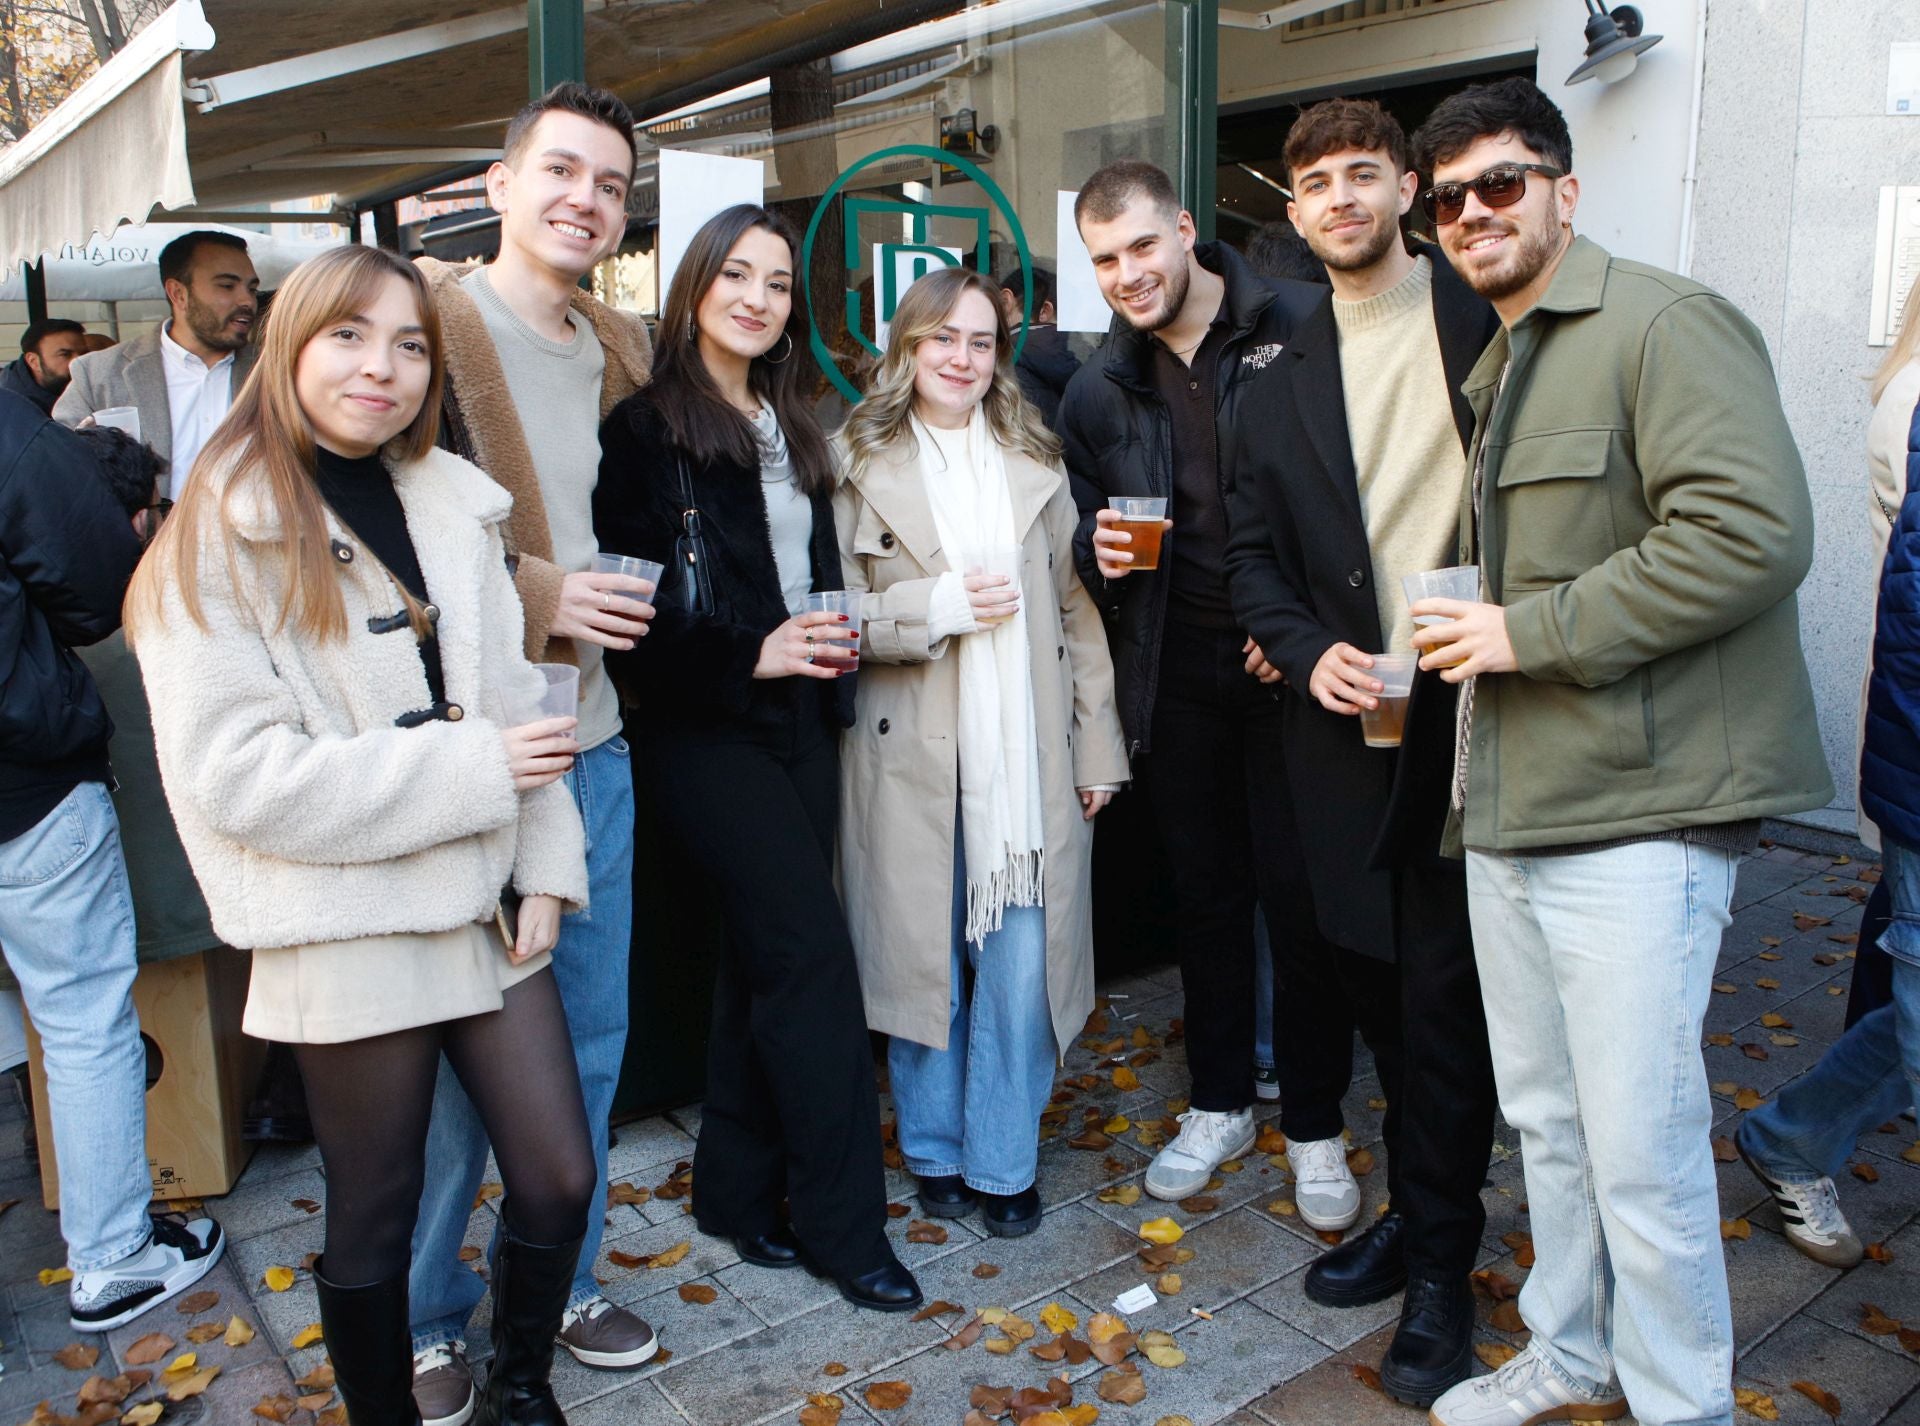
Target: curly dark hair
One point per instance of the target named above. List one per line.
(1513, 106)
(1336, 125)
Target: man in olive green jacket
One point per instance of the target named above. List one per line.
(1635, 701)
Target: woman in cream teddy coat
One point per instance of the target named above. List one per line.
(328, 631)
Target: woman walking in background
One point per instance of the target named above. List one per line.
(719, 460)
(322, 626)
(987, 740)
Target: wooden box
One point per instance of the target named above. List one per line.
(202, 1072)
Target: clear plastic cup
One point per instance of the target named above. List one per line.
(633, 568)
(120, 418)
(1142, 517)
(1461, 581)
(552, 692)
(1385, 725)
(833, 653)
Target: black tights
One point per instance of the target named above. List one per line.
(370, 1101)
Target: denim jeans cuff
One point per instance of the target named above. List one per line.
(1573, 1383)
(924, 1168)
(107, 1257)
(1762, 1147)
(585, 1289)
(438, 1334)
(1001, 1190)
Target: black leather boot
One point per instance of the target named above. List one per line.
(1372, 1266)
(371, 1348)
(1011, 1215)
(945, 1196)
(887, 1288)
(530, 1288)
(776, 1249)
(1433, 1346)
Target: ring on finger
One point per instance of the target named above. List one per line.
(606, 601)
(809, 650)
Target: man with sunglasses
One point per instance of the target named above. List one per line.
(1633, 701)
(1344, 477)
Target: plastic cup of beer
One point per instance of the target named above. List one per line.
(1142, 517)
(633, 568)
(828, 651)
(1385, 725)
(1461, 581)
(120, 418)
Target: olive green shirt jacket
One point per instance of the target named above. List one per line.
(1644, 517)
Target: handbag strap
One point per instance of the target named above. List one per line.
(689, 512)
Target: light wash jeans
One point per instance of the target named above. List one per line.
(13, 1031)
(1872, 1073)
(1262, 992)
(1596, 969)
(590, 964)
(66, 925)
(974, 1108)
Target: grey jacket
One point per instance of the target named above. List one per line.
(133, 374)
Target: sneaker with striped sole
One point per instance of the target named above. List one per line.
(1810, 1213)
(176, 1256)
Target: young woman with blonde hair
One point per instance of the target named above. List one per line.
(986, 741)
(327, 632)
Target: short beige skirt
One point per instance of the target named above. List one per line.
(373, 985)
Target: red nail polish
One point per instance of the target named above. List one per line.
(843, 618)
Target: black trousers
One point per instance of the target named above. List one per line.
(791, 1111)
(1216, 778)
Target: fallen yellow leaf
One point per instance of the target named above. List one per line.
(145, 1414)
(181, 1364)
(49, 1276)
(1162, 1231)
(307, 1336)
(192, 1385)
(1124, 1194)
(239, 1332)
(278, 1279)
(1057, 1319)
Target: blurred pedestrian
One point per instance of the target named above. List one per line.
(986, 742)
(1046, 363)
(326, 628)
(43, 368)
(718, 468)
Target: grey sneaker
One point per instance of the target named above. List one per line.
(1207, 1139)
(443, 1385)
(176, 1256)
(1323, 1186)
(1524, 1391)
(605, 1336)
(1810, 1212)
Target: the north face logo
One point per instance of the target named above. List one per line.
(1261, 357)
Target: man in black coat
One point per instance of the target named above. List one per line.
(41, 371)
(1046, 363)
(1346, 477)
(67, 550)
(1199, 702)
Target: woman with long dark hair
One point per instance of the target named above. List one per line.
(327, 630)
(719, 469)
(987, 742)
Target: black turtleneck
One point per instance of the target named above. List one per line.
(361, 493)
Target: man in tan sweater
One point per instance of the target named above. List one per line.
(1347, 477)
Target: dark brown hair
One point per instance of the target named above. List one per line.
(1481, 111)
(600, 105)
(1107, 193)
(1338, 125)
(699, 419)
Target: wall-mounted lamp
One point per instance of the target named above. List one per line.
(1615, 43)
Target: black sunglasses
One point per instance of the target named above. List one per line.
(1501, 186)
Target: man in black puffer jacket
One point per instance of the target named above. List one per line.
(1197, 698)
(67, 550)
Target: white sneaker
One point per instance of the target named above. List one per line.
(1207, 1139)
(1323, 1186)
(1524, 1391)
(1810, 1212)
(177, 1256)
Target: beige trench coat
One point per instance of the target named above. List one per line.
(899, 764)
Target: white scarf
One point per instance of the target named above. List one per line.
(1000, 808)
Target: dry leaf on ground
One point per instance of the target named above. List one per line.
(1122, 1388)
(307, 1336)
(921, 1231)
(1199, 1203)
(1724, 1151)
(193, 1385)
(1366, 1376)
(821, 1410)
(1270, 1141)
(202, 1333)
(1819, 1396)
(1123, 1194)
(239, 1332)
(1494, 1354)
(77, 1357)
(145, 1414)
(966, 1336)
(279, 1407)
(278, 1279)
(1163, 1231)
(699, 1293)
(1285, 1207)
(1875, 1323)
(1506, 1316)
(147, 1349)
(1735, 1228)
(940, 1307)
(1755, 1403)
(1125, 1079)
(1168, 1284)
(319, 1379)
(194, 1303)
(1057, 1319)
(887, 1395)
(1879, 1253)
(1866, 1173)
(986, 1270)
(1497, 1287)
(96, 1390)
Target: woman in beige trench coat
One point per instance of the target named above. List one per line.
(985, 741)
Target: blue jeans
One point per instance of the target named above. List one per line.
(66, 925)
(1872, 1073)
(590, 966)
(974, 1108)
(1262, 995)
(1596, 969)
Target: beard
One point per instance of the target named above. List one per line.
(211, 328)
(1173, 288)
(1533, 248)
(1355, 259)
(48, 381)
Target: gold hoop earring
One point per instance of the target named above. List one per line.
(771, 362)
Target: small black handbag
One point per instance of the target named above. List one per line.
(690, 548)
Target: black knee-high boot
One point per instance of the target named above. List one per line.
(530, 1289)
(371, 1348)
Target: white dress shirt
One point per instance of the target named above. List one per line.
(198, 396)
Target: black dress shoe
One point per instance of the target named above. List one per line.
(1433, 1346)
(778, 1249)
(1010, 1215)
(946, 1196)
(889, 1288)
(1370, 1267)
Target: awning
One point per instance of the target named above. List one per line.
(364, 100)
(111, 151)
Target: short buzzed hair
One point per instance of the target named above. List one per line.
(602, 106)
(176, 258)
(1105, 196)
(1340, 125)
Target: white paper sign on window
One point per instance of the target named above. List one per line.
(1077, 301)
(694, 187)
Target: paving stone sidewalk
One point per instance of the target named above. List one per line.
(1266, 1356)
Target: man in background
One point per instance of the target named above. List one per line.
(41, 371)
